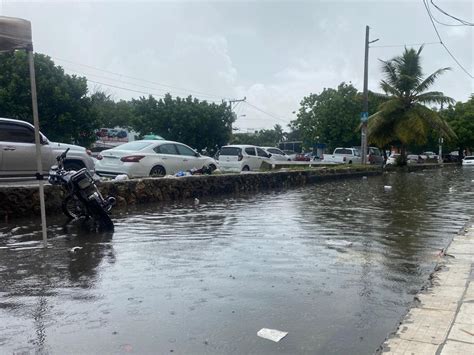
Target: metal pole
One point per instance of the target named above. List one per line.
(39, 164)
(365, 108)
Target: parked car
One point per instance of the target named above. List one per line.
(242, 158)
(302, 157)
(429, 155)
(374, 155)
(18, 151)
(277, 154)
(414, 159)
(150, 158)
(451, 158)
(392, 159)
(343, 156)
(468, 160)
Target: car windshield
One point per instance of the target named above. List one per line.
(230, 151)
(139, 145)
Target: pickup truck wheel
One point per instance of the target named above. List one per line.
(350, 162)
(246, 168)
(72, 165)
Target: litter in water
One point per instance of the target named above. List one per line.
(75, 249)
(272, 334)
(121, 177)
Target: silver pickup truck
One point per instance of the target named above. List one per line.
(343, 156)
(18, 151)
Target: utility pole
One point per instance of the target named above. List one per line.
(230, 104)
(365, 109)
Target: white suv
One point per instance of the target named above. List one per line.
(18, 151)
(242, 158)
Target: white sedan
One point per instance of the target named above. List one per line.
(150, 158)
(469, 160)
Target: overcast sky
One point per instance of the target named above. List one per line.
(272, 52)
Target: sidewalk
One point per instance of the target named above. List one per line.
(443, 320)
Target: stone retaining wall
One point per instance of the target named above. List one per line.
(17, 202)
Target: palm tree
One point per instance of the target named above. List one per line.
(403, 118)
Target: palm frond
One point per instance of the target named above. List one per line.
(435, 121)
(389, 89)
(390, 72)
(425, 84)
(434, 97)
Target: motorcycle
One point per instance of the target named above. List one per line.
(83, 199)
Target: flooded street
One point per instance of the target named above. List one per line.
(334, 264)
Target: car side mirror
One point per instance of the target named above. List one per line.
(269, 155)
(197, 155)
(44, 140)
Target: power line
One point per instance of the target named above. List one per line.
(405, 45)
(462, 22)
(126, 89)
(126, 83)
(139, 79)
(442, 43)
(267, 113)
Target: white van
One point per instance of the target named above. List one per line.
(242, 158)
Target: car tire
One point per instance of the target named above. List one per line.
(157, 171)
(246, 168)
(73, 165)
(212, 167)
(350, 162)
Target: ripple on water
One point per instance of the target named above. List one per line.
(334, 258)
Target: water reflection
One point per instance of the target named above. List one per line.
(335, 258)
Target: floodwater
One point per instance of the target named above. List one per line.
(335, 265)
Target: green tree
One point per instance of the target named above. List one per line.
(333, 116)
(199, 124)
(461, 118)
(110, 113)
(63, 105)
(403, 118)
(263, 138)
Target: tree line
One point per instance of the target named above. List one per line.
(406, 115)
(69, 113)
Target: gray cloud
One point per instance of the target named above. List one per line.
(272, 52)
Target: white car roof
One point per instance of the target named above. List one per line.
(240, 146)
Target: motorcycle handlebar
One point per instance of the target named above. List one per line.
(62, 155)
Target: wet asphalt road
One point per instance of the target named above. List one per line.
(336, 265)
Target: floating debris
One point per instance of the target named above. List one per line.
(272, 334)
(121, 177)
(387, 188)
(196, 201)
(75, 249)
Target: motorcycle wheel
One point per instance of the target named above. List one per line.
(102, 218)
(73, 208)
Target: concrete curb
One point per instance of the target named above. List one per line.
(441, 320)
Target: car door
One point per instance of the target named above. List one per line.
(252, 160)
(169, 158)
(262, 156)
(17, 143)
(189, 158)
